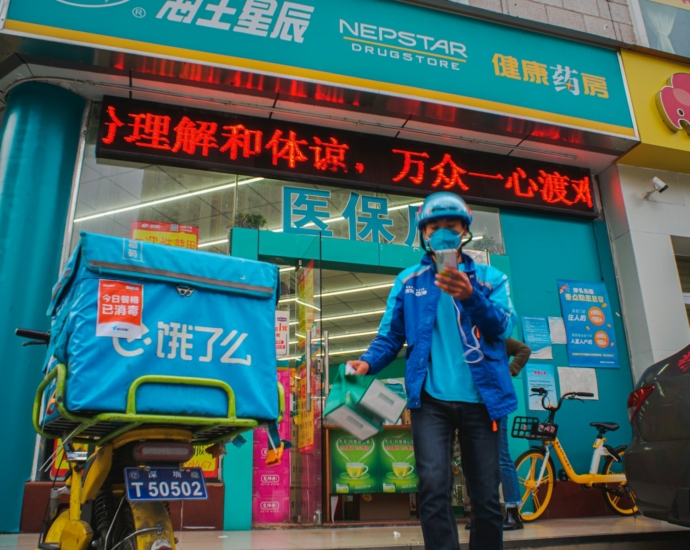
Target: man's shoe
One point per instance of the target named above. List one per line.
(468, 526)
(513, 520)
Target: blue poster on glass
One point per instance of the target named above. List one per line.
(588, 324)
(540, 376)
(537, 336)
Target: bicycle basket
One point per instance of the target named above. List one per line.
(529, 427)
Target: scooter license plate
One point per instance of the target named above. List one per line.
(165, 484)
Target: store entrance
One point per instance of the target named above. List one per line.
(334, 312)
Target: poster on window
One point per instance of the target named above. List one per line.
(589, 324)
(170, 234)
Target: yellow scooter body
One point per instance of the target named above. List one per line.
(153, 518)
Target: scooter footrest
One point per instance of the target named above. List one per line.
(48, 546)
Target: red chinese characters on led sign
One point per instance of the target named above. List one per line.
(192, 137)
(149, 132)
(552, 187)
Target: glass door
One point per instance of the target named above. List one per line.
(307, 457)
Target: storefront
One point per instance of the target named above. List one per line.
(650, 225)
(309, 142)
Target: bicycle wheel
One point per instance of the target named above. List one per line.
(617, 498)
(536, 493)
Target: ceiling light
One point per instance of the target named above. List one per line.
(341, 336)
(167, 199)
(341, 292)
(212, 243)
(353, 315)
(348, 351)
(305, 304)
(349, 316)
(353, 290)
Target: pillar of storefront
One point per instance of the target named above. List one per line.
(239, 462)
(39, 138)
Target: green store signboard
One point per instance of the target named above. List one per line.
(375, 45)
(381, 464)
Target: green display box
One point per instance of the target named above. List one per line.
(361, 404)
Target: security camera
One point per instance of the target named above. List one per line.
(659, 186)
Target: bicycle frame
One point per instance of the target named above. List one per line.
(589, 479)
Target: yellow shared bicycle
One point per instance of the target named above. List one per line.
(535, 467)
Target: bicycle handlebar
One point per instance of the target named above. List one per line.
(552, 409)
(33, 334)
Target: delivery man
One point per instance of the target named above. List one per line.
(455, 323)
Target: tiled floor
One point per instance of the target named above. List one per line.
(385, 537)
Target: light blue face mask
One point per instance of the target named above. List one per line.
(444, 239)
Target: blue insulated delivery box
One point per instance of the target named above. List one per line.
(124, 309)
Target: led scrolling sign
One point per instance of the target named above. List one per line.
(162, 134)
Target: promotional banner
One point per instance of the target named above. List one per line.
(397, 466)
(271, 485)
(384, 463)
(304, 419)
(282, 333)
(354, 464)
(589, 324)
(377, 45)
(209, 464)
(171, 234)
(306, 313)
(540, 376)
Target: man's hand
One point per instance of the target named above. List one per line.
(456, 283)
(361, 367)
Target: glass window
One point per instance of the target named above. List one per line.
(667, 26)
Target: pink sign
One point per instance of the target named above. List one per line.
(271, 485)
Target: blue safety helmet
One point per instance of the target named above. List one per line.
(444, 205)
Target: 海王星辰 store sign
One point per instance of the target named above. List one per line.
(376, 45)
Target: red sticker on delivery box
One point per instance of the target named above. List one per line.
(119, 309)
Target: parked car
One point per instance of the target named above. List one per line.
(657, 463)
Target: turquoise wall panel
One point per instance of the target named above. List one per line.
(38, 149)
(543, 249)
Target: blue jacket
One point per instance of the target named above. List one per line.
(488, 315)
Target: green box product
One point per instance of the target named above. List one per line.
(397, 466)
(354, 464)
(360, 404)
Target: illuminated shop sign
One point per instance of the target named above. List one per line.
(163, 134)
(673, 102)
(384, 46)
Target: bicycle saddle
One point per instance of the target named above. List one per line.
(605, 426)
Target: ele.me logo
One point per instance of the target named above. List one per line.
(93, 3)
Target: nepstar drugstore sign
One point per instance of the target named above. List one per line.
(375, 45)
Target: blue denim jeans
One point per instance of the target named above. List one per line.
(509, 478)
(433, 433)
